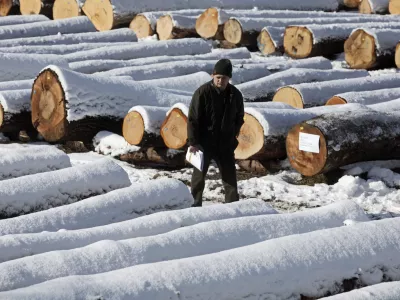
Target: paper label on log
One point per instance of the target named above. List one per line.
(309, 142)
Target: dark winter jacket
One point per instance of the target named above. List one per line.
(215, 117)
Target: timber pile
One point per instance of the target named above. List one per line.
(63, 9)
(369, 48)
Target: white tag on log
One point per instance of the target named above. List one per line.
(309, 142)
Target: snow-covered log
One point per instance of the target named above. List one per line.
(156, 157)
(305, 95)
(36, 7)
(374, 6)
(195, 240)
(174, 128)
(93, 66)
(368, 48)
(16, 85)
(15, 20)
(32, 63)
(67, 105)
(175, 26)
(31, 159)
(274, 268)
(264, 88)
(313, 40)
(393, 106)
(145, 49)
(142, 124)
(381, 291)
(63, 9)
(117, 35)
(365, 97)
(319, 63)
(270, 40)
(9, 7)
(394, 7)
(111, 144)
(51, 27)
(42, 191)
(343, 140)
(83, 233)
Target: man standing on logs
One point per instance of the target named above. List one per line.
(215, 118)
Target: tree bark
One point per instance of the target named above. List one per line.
(156, 157)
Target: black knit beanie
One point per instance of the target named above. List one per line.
(223, 67)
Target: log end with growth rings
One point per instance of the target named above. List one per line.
(100, 13)
(359, 50)
(63, 9)
(141, 26)
(335, 100)
(298, 41)
(133, 128)
(265, 43)
(394, 7)
(48, 106)
(5, 7)
(251, 138)
(30, 7)
(207, 23)
(397, 55)
(365, 7)
(351, 3)
(306, 163)
(1, 115)
(233, 31)
(289, 96)
(165, 26)
(174, 129)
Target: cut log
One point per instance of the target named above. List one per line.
(17, 161)
(270, 40)
(369, 48)
(142, 124)
(174, 128)
(333, 256)
(111, 144)
(317, 93)
(263, 89)
(397, 56)
(156, 158)
(174, 26)
(115, 224)
(42, 191)
(365, 97)
(389, 106)
(386, 291)
(195, 240)
(16, 85)
(15, 20)
(74, 25)
(9, 7)
(36, 7)
(145, 49)
(117, 35)
(374, 6)
(326, 40)
(144, 24)
(337, 145)
(319, 63)
(32, 63)
(60, 112)
(394, 7)
(351, 3)
(64, 9)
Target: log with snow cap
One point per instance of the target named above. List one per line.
(14, 20)
(68, 115)
(263, 134)
(109, 14)
(145, 49)
(264, 88)
(369, 48)
(344, 138)
(74, 25)
(175, 26)
(313, 40)
(365, 97)
(142, 124)
(93, 65)
(20, 160)
(305, 95)
(374, 6)
(36, 7)
(191, 241)
(274, 267)
(98, 229)
(64, 9)
(42, 191)
(381, 291)
(393, 105)
(270, 40)
(117, 35)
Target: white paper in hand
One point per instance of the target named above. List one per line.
(195, 159)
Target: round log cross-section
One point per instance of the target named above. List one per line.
(63, 9)
(298, 41)
(207, 24)
(233, 31)
(174, 129)
(1, 115)
(165, 26)
(251, 138)
(48, 106)
(141, 26)
(265, 43)
(133, 128)
(397, 55)
(365, 7)
(335, 100)
(359, 50)
(306, 163)
(394, 7)
(352, 3)
(6, 6)
(289, 96)
(100, 13)
(30, 7)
